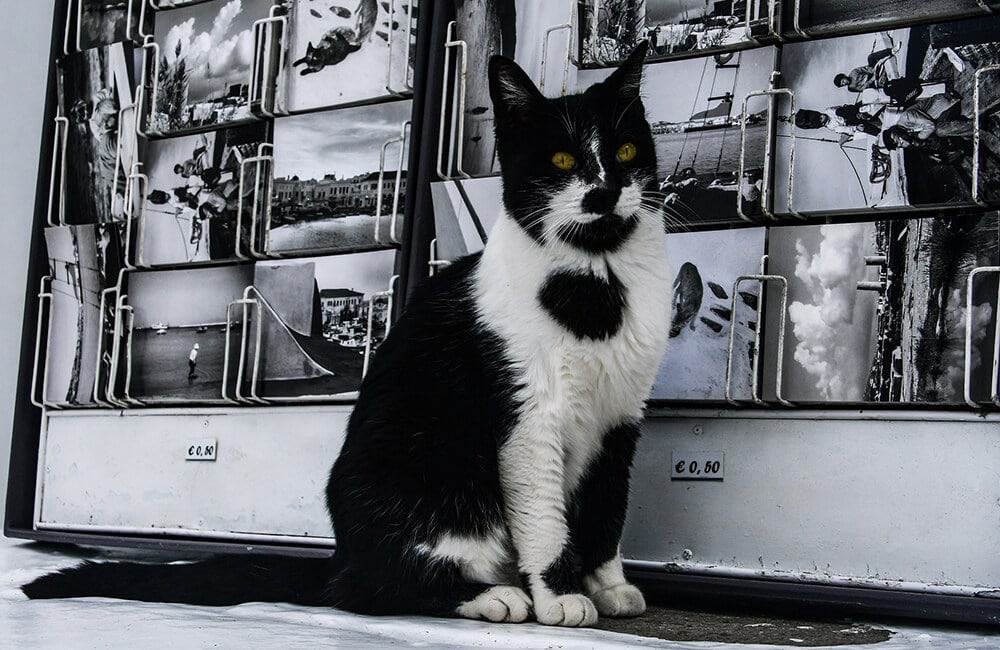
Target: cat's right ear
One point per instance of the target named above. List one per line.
(626, 81)
(511, 89)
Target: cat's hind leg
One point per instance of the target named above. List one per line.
(429, 582)
(483, 561)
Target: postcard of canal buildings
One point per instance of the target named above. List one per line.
(326, 180)
(320, 319)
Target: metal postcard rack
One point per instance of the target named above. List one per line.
(758, 430)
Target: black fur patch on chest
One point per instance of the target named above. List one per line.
(587, 305)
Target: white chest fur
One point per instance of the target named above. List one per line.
(575, 389)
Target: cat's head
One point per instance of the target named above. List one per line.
(575, 168)
(310, 61)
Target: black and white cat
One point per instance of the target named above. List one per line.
(486, 466)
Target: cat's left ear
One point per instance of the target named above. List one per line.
(511, 89)
(626, 81)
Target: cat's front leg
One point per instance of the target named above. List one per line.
(531, 469)
(601, 501)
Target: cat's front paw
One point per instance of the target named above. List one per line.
(569, 610)
(620, 601)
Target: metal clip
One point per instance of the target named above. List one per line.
(128, 20)
(568, 27)
(977, 128)
(402, 140)
(457, 130)
(772, 31)
(797, 19)
(259, 302)
(127, 389)
(44, 295)
(100, 346)
(58, 168)
(264, 39)
(433, 263)
(967, 388)
(66, 30)
(121, 165)
(109, 394)
(235, 399)
(141, 23)
(141, 118)
(762, 280)
(143, 181)
(388, 295)
(407, 85)
(765, 195)
(265, 154)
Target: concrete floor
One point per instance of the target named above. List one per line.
(102, 623)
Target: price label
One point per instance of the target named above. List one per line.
(201, 450)
(697, 465)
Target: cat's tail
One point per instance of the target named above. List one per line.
(217, 581)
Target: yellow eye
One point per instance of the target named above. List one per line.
(626, 152)
(564, 161)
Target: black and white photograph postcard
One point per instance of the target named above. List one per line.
(694, 107)
(190, 212)
(516, 29)
(610, 29)
(83, 261)
(825, 17)
(694, 367)
(313, 318)
(464, 213)
(94, 85)
(345, 52)
(103, 22)
(206, 59)
(885, 119)
(877, 311)
(179, 333)
(326, 180)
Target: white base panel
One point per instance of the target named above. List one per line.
(892, 499)
(837, 497)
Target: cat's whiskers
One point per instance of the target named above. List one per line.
(544, 212)
(656, 199)
(671, 212)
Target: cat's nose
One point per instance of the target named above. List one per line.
(601, 200)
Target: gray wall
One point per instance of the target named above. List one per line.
(24, 53)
